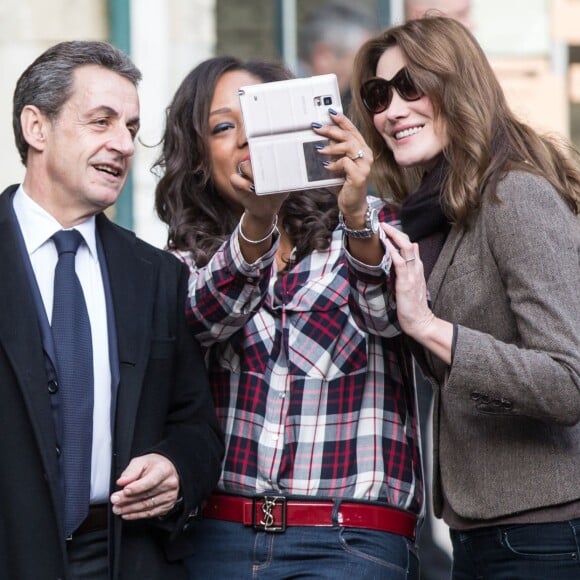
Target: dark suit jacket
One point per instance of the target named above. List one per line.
(163, 405)
(507, 412)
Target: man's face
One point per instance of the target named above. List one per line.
(328, 58)
(342, 67)
(458, 9)
(90, 144)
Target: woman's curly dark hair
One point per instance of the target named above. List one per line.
(186, 199)
(310, 217)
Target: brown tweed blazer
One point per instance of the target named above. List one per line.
(507, 411)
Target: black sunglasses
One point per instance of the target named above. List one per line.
(377, 93)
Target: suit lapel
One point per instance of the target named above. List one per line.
(131, 277)
(434, 285)
(21, 338)
(441, 266)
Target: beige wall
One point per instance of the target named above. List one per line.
(535, 93)
(27, 27)
(519, 38)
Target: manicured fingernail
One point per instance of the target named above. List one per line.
(326, 163)
(332, 111)
(316, 125)
(319, 147)
(252, 188)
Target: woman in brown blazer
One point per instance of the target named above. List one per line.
(491, 210)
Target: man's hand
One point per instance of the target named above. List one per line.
(150, 488)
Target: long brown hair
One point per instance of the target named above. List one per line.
(485, 138)
(186, 198)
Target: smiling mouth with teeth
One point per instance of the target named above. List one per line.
(408, 132)
(107, 169)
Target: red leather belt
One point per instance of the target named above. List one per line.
(276, 513)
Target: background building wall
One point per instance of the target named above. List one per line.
(169, 38)
(534, 45)
(27, 28)
(530, 62)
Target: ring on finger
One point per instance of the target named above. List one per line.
(359, 155)
(410, 260)
(240, 170)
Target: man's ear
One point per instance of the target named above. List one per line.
(34, 125)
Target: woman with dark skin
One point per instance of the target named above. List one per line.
(491, 210)
(322, 473)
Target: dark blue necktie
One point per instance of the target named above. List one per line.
(71, 330)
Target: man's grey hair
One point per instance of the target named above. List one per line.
(48, 82)
(338, 24)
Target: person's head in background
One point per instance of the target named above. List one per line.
(329, 39)
(458, 9)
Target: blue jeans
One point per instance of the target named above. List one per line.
(518, 552)
(225, 550)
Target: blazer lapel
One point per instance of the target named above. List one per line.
(131, 278)
(21, 338)
(445, 258)
(434, 285)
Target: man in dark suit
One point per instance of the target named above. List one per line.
(154, 447)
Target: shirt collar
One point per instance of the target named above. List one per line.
(38, 226)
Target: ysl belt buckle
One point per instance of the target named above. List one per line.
(269, 513)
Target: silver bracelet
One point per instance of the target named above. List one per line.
(265, 238)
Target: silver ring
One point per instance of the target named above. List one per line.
(359, 155)
(410, 260)
(239, 169)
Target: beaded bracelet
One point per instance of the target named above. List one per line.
(265, 238)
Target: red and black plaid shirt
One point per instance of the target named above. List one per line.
(305, 367)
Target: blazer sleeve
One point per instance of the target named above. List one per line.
(533, 238)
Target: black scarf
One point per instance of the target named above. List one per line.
(422, 217)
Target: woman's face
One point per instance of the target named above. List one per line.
(409, 128)
(227, 141)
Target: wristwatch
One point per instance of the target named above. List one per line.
(371, 225)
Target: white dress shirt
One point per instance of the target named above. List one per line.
(37, 227)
